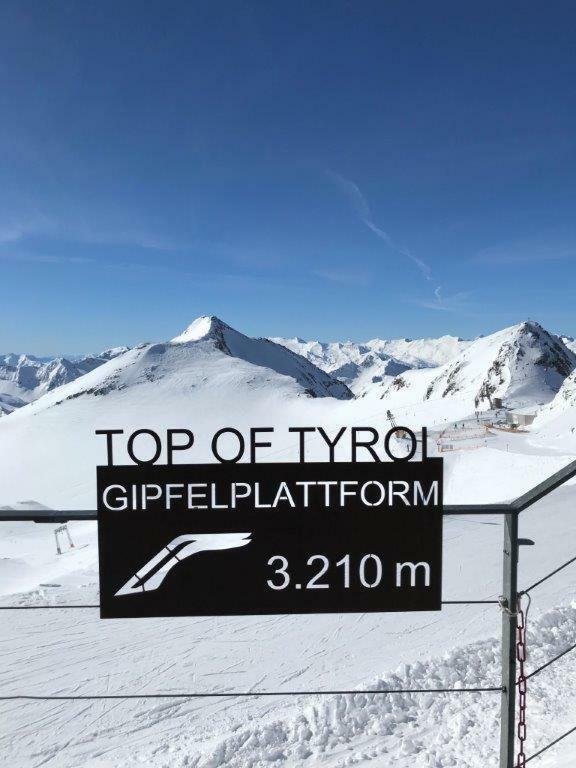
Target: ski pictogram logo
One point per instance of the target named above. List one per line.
(153, 573)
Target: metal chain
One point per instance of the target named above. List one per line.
(522, 683)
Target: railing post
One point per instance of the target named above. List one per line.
(509, 605)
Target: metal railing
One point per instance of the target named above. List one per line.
(509, 603)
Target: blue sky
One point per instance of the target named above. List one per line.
(322, 169)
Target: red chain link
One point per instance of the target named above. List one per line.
(522, 683)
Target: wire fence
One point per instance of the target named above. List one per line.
(514, 508)
(64, 606)
(546, 665)
(253, 694)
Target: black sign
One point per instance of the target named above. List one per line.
(236, 539)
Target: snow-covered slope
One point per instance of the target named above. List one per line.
(556, 423)
(110, 354)
(524, 365)
(373, 362)
(263, 353)
(565, 400)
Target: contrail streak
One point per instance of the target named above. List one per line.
(362, 209)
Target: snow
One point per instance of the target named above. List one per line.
(198, 329)
(217, 377)
(408, 729)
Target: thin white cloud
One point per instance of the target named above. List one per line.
(455, 302)
(526, 251)
(362, 209)
(39, 258)
(14, 228)
(11, 233)
(232, 280)
(357, 199)
(19, 225)
(343, 276)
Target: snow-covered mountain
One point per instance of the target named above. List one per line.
(357, 365)
(25, 378)
(523, 365)
(263, 353)
(373, 362)
(208, 356)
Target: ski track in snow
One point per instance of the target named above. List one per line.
(420, 730)
(408, 729)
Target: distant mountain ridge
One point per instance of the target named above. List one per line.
(522, 365)
(25, 378)
(361, 365)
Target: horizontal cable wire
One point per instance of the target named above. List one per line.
(518, 505)
(548, 576)
(54, 516)
(477, 509)
(238, 694)
(552, 744)
(60, 607)
(548, 663)
(42, 607)
(470, 602)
